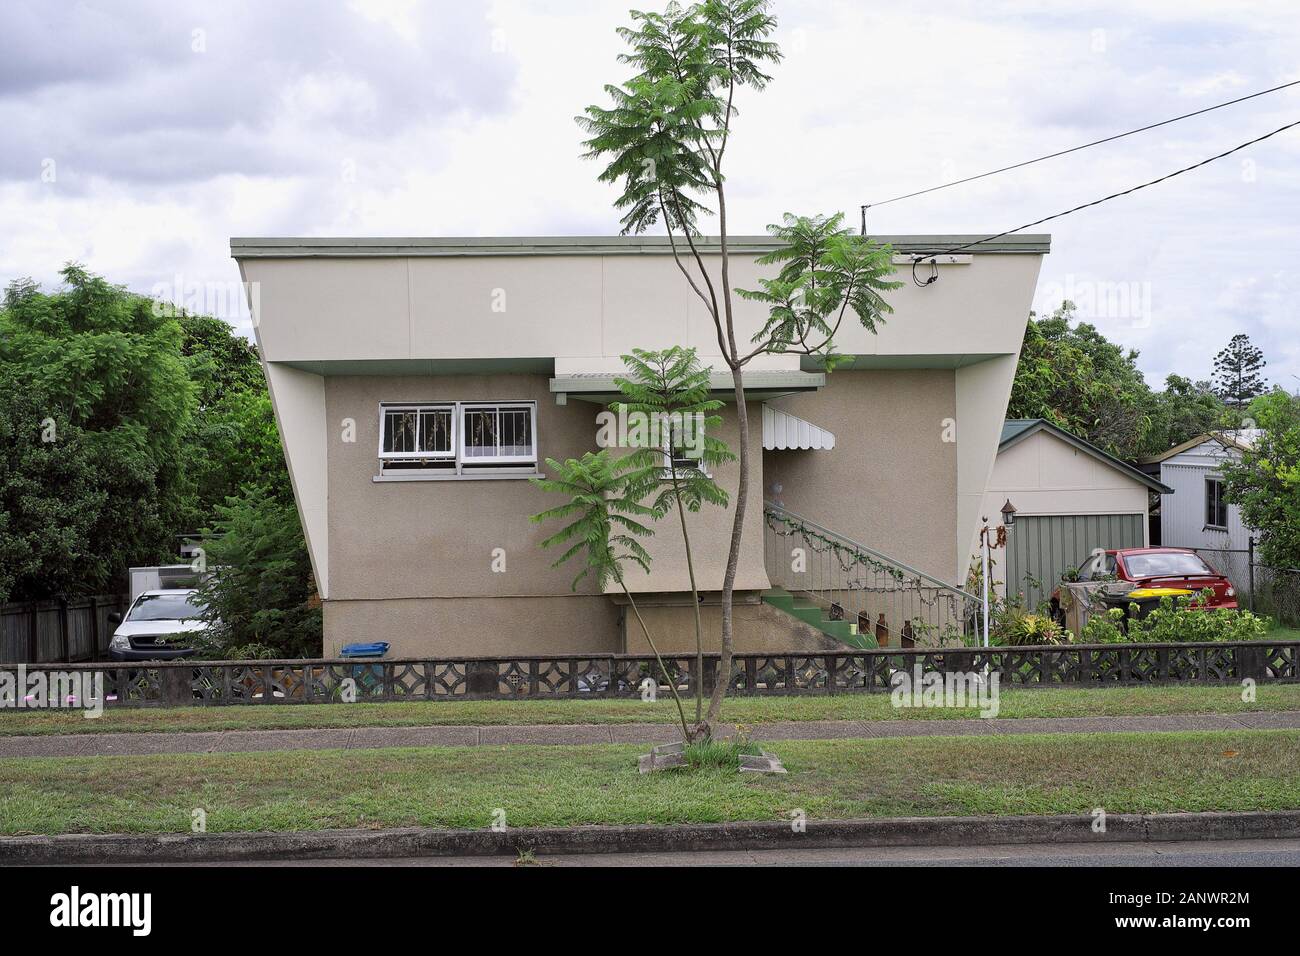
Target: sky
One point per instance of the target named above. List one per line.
(138, 136)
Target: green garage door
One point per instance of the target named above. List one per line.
(1039, 549)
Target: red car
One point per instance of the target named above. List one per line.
(1157, 568)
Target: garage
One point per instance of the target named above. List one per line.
(1070, 498)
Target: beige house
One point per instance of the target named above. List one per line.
(1070, 498)
(418, 384)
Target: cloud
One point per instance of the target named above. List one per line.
(164, 93)
(389, 117)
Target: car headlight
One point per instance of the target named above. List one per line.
(1231, 592)
(120, 643)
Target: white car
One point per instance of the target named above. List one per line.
(158, 626)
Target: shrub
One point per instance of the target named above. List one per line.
(1174, 620)
(1019, 628)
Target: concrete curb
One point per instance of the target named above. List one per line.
(430, 842)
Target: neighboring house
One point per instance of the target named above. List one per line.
(1195, 514)
(1070, 498)
(418, 382)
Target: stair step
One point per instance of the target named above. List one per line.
(814, 615)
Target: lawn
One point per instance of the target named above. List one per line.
(1048, 702)
(462, 787)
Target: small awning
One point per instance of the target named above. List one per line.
(783, 430)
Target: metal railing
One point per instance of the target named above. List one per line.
(858, 583)
(589, 676)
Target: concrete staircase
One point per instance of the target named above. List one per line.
(814, 615)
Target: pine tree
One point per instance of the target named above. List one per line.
(1236, 372)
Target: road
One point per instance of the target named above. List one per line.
(1228, 853)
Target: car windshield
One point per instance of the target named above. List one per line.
(1162, 564)
(165, 607)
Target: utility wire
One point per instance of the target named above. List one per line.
(1074, 149)
(1095, 202)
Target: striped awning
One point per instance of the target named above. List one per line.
(783, 430)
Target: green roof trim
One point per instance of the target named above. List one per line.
(1016, 430)
(286, 247)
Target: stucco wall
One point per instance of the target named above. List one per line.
(890, 482)
(710, 527)
(1044, 475)
(464, 627)
(409, 539)
(758, 628)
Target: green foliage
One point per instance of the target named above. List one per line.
(262, 591)
(671, 387)
(1236, 372)
(718, 754)
(666, 129)
(825, 270)
(604, 508)
(1265, 482)
(105, 367)
(50, 497)
(1075, 378)
(1019, 628)
(1173, 620)
(1184, 410)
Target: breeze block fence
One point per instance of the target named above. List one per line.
(584, 676)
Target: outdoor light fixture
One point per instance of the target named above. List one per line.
(1008, 513)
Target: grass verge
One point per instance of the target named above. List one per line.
(568, 786)
(1050, 702)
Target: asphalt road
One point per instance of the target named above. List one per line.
(1227, 853)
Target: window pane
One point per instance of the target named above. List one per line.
(435, 430)
(480, 433)
(516, 432)
(400, 431)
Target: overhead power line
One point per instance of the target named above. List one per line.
(1095, 202)
(1073, 149)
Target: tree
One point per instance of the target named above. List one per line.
(1074, 377)
(1236, 372)
(107, 370)
(50, 497)
(1265, 482)
(1184, 410)
(260, 600)
(671, 388)
(604, 505)
(665, 140)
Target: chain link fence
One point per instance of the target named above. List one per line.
(1261, 588)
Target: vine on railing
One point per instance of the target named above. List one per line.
(856, 565)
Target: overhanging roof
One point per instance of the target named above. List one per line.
(759, 383)
(1242, 439)
(291, 247)
(1016, 430)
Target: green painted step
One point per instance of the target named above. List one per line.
(814, 615)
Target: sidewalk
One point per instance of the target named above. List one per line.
(367, 738)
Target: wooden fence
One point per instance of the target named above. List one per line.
(187, 683)
(46, 632)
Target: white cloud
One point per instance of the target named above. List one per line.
(392, 117)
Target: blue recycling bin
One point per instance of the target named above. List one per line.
(367, 676)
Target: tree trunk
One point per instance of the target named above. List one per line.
(672, 684)
(695, 602)
(723, 679)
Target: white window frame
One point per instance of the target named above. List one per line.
(463, 466)
(419, 408)
(463, 459)
(666, 471)
(1218, 482)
